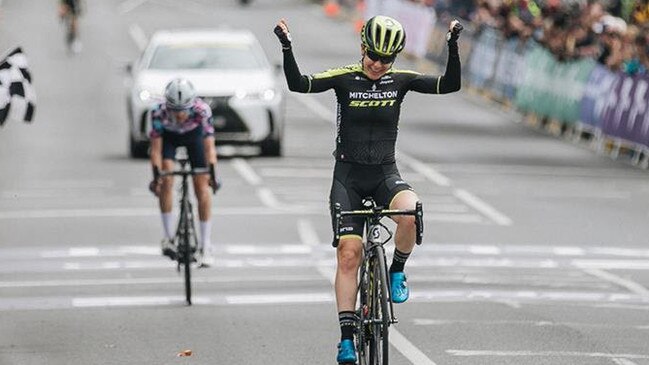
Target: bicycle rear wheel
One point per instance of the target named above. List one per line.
(379, 310)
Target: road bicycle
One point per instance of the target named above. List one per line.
(186, 239)
(375, 311)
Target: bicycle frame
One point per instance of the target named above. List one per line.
(185, 232)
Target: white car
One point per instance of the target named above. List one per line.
(230, 72)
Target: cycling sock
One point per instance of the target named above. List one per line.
(167, 222)
(347, 320)
(206, 231)
(398, 261)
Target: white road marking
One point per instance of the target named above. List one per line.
(307, 233)
(485, 250)
(288, 298)
(452, 322)
(306, 173)
(309, 237)
(439, 296)
(139, 37)
(482, 207)
(156, 280)
(410, 351)
(545, 354)
(148, 212)
(316, 107)
(623, 362)
(568, 251)
(439, 249)
(427, 171)
(129, 5)
(625, 283)
(268, 198)
(246, 171)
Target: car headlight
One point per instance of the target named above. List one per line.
(265, 95)
(145, 95)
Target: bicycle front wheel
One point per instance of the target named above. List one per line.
(185, 253)
(380, 310)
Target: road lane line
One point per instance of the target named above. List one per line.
(156, 280)
(625, 283)
(623, 362)
(545, 354)
(316, 107)
(427, 171)
(129, 5)
(246, 171)
(452, 322)
(287, 298)
(147, 212)
(268, 198)
(482, 207)
(310, 237)
(138, 35)
(307, 232)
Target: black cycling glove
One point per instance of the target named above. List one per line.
(153, 185)
(215, 183)
(284, 38)
(454, 33)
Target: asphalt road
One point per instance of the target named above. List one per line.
(535, 249)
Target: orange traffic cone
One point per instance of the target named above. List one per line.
(331, 8)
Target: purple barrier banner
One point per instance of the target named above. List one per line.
(626, 114)
(596, 97)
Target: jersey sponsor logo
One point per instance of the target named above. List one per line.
(385, 82)
(371, 103)
(373, 95)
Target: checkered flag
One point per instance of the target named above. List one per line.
(17, 97)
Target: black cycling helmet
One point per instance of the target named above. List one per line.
(383, 35)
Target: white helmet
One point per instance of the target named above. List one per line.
(179, 94)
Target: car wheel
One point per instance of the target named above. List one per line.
(138, 149)
(271, 147)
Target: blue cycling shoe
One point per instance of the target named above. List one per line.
(346, 352)
(398, 287)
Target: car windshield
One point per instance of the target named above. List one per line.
(206, 56)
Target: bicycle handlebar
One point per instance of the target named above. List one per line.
(378, 213)
(192, 172)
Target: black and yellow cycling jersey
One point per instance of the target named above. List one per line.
(368, 110)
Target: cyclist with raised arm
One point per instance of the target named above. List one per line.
(71, 9)
(183, 119)
(369, 96)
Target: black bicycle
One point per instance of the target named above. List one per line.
(375, 310)
(186, 239)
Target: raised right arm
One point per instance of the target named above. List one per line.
(296, 81)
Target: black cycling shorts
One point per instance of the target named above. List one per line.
(192, 140)
(354, 182)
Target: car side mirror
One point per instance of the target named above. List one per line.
(129, 68)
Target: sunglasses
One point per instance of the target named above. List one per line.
(383, 59)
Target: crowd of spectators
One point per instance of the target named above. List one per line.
(615, 32)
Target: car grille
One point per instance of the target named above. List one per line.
(226, 120)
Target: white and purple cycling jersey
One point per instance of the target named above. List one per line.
(200, 115)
